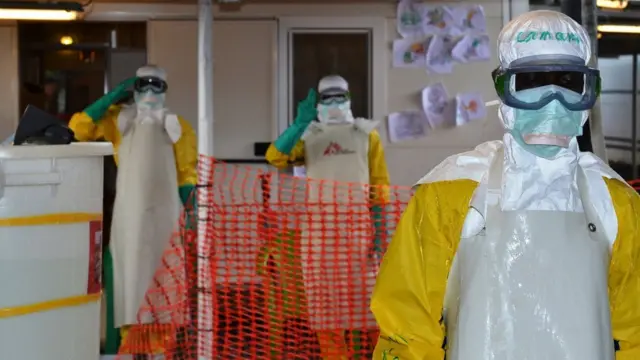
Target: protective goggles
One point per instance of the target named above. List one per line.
(329, 98)
(150, 83)
(577, 78)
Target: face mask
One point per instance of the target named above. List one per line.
(546, 131)
(149, 100)
(335, 113)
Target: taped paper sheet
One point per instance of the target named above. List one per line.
(469, 19)
(439, 58)
(408, 53)
(469, 107)
(437, 20)
(438, 107)
(472, 48)
(409, 18)
(407, 125)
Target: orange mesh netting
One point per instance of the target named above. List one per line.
(286, 270)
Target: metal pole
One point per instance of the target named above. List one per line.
(573, 9)
(205, 303)
(634, 122)
(590, 23)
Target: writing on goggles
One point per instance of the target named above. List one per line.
(149, 83)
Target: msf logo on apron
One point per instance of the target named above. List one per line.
(335, 149)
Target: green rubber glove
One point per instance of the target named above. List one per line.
(188, 197)
(307, 112)
(97, 110)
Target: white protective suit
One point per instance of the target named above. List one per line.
(529, 274)
(147, 205)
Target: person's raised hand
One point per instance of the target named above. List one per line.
(307, 111)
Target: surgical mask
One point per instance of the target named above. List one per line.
(546, 131)
(149, 100)
(335, 113)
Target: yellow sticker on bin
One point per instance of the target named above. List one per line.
(51, 219)
(48, 305)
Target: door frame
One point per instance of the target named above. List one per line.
(376, 26)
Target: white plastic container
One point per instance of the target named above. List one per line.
(50, 223)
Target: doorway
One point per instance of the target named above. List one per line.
(310, 48)
(315, 55)
(66, 66)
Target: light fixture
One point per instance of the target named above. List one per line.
(23, 10)
(66, 40)
(619, 29)
(612, 4)
(599, 35)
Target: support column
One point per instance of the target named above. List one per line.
(513, 8)
(584, 13)
(205, 294)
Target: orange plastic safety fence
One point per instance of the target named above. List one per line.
(289, 267)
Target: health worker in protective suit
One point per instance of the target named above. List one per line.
(523, 248)
(339, 243)
(156, 155)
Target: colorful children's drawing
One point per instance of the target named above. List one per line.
(410, 53)
(470, 107)
(472, 48)
(470, 19)
(437, 19)
(438, 107)
(409, 18)
(439, 54)
(407, 125)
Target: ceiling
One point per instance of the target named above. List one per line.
(240, 1)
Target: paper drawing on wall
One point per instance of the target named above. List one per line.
(437, 19)
(469, 107)
(407, 125)
(469, 19)
(472, 47)
(409, 18)
(439, 59)
(410, 53)
(437, 106)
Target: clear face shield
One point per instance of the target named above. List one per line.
(550, 99)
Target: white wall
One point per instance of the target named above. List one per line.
(9, 91)
(123, 63)
(244, 78)
(407, 161)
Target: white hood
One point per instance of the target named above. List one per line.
(530, 182)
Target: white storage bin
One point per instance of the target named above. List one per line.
(50, 223)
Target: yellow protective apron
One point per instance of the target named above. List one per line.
(146, 211)
(532, 285)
